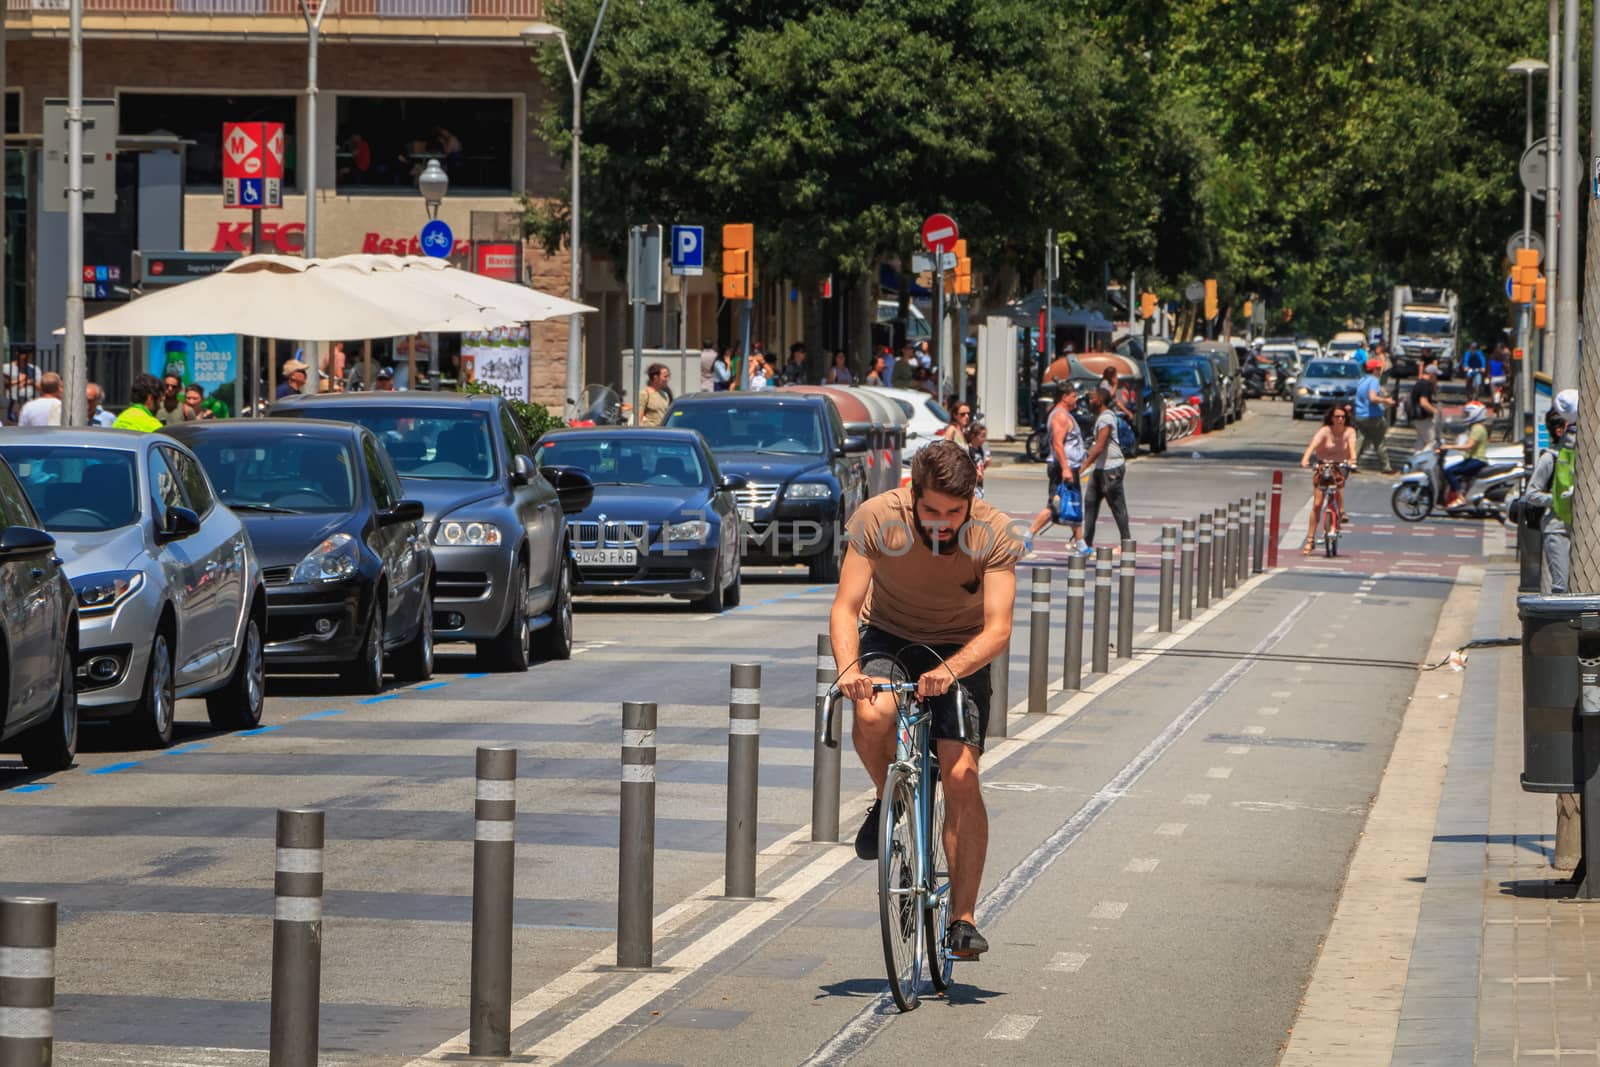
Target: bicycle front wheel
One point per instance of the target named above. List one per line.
(899, 895)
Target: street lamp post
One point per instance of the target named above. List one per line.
(543, 31)
(1528, 68)
(434, 185)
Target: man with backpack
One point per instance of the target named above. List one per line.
(1103, 468)
(1550, 488)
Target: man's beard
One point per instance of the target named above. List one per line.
(933, 544)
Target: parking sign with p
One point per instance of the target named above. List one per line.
(688, 250)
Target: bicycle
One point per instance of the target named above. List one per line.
(1330, 478)
(913, 875)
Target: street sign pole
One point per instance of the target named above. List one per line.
(74, 360)
(635, 269)
(940, 356)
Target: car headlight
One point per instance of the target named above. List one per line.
(688, 530)
(102, 592)
(809, 491)
(1303, 391)
(475, 534)
(333, 560)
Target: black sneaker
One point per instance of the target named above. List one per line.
(867, 836)
(964, 942)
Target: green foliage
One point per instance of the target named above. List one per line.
(534, 418)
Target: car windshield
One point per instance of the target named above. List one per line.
(624, 461)
(1414, 324)
(270, 472)
(1196, 363)
(736, 427)
(1175, 375)
(75, 489)
(1344, 346)
(1343, 368)
(425, 442)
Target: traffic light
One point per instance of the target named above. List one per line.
(1538, 309)
(1211, 298)
(1147, 305)
(1249, 307)
(738, 250)
(1539, 291)
(963, 279)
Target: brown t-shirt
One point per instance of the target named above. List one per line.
(917, 594)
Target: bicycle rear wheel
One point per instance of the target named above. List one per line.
(899, 898)
(937, 912)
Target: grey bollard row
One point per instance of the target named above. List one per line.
(27, 981)
(1258, 558)
(1072, 673)
(1101, 651)
(1169, 537)
(1127, 573)
(744, 778)
(1219, 553)
(494, 846)
(1202, 580)
(1039, 642)
(636, 868)
(1186, 573)
(297, 940)
(824, 760)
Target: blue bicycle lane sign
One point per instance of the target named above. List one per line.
(437, 240)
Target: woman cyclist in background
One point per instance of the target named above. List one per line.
(1333, 443)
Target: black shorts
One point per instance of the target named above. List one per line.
(880, 650)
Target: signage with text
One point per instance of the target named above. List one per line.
(252, 165)
(498, 259)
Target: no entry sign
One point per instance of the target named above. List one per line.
(939, 233)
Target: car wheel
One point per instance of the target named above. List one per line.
(415, 660)
(825, 568)
(154, 719)
(1298, 414)
(730, 598)
(238, 705)
(1161, 440)
(366, 675)
(509, 649)
(555, 640)
(52, 744)
(716, 600)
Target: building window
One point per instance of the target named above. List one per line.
(198, 117)
(13, 111)
(385, 141)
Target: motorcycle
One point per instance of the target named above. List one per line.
(599, 405)
(1423, 486)
(1286, 380)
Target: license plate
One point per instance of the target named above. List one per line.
(607, 557)
(747, 514)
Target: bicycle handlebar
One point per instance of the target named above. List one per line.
(828, 729)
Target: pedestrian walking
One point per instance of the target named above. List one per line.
(1106, 467)
(978, 449)
(960, 422)
(839, 373)
(879, 374)
(1422, 408)
(1555, 542)
(44, 409)
(1371, 424)
(98, 416)
(722, 371)
(294, 379)
(1063, 464)
(708, 366)
(141, 413)
(794, 371)
(653, 406)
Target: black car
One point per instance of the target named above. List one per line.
(802, 475)
(1225, 364)
(38, 638)
(1191, 380)
(345, 559)
(496, 527)
(662, 519)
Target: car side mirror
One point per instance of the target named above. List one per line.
(573, 488)
(731, 482)
(405, 511)
(522, 469)
(25, 542)
(178, 523)
(853, 444)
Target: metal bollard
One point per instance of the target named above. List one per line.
(1039, 642)
(1169, 537)
(636, 869)
(297, 940)
(999, 692)
(1258, 558)
(1242, 570)
(1219, 552)
(744, 778)
(494, 849)
(1235, 538)
(1072, 674)
(27, 981)
(1230, 529)
(1272, 525)
(1101, 652)
(1202, 582)
(824, 760)
(1127, 573)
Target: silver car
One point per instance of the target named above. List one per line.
(170, 597)
(1324, 384)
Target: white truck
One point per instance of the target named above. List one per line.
(1422, 329)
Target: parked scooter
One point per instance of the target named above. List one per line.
(1422, 488)
(599, 405)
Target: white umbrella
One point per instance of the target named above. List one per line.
(484, 303)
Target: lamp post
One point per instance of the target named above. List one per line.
(434, 185)
(535, 33)
(1528, 68)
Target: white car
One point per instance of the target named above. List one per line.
(927, 417)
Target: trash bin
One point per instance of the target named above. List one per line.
(1553, 739)
(1530, 542)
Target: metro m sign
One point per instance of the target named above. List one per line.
(252, 165)
(243, 149)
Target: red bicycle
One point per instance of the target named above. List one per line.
(1329, 479)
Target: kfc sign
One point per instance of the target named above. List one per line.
(374, 244)
(287, 239)
(498, 259)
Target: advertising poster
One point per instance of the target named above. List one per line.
(498, 358)
(210, 359)
(1542, 402)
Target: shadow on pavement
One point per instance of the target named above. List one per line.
(1540, 888)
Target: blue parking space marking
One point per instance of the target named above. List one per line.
(330, 713)
(194, 746)
(381, 699)
(474, 676)
(113, 768)
(430, 685)
(31, 787)
(257, 732)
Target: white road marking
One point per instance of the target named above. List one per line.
(1268, 710)
(1220, 772)
(1303, 668)
(1254, 731)
(1141, 866)
(1172, 829)
(1197, 800)
(1281, 693)
(1012, 1027)
(1108, 909)
(1068, 962)
(1238, 750)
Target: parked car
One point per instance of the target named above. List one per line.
(1226, 366)
(38, 639)
(495, 524)
(344, 558)
(803, 476)
(1325, 384)
(662, 520)
(926, 418)
(169, 592)
(1191, 379)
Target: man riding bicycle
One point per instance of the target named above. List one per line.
(929, 565)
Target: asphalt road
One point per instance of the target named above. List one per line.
(1164, 859)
